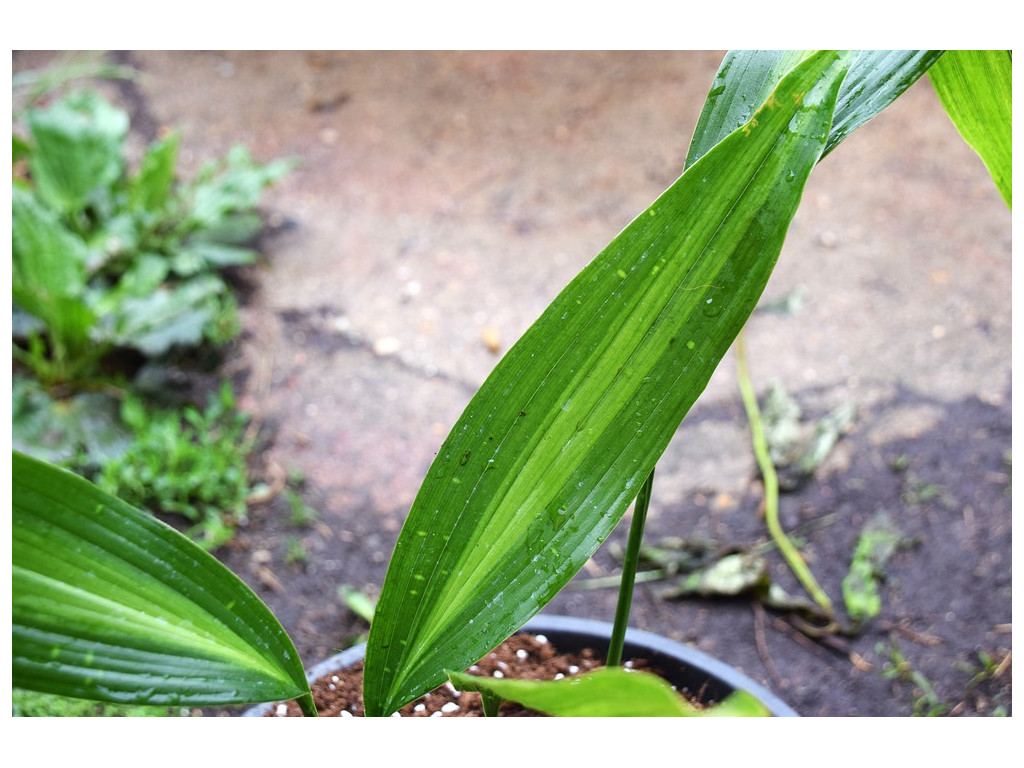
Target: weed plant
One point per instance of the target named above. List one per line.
(107, 257)
(116, 263)
(190, 462)
(33, 704)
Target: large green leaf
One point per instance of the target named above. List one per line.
(78, 149)
(607, 692)
(555, 445)
(976, 89)
(109, 603)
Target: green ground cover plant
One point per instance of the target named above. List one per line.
(33, 704)
(558, 443)
(121, 267)
(190, 462)
(178, 460)
(109, 257)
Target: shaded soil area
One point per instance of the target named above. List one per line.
(444, 199)
(946, 592)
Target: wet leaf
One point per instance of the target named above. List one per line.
(747, 77)
(557, 442)
(110, 604)
(606, 692)
(153, 186)
(169, 316)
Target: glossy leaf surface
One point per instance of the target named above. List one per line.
(557, 442)
(875, 80)
(606, 692)
(110, 604)
(745, 79)
(976, 89)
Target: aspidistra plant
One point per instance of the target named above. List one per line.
(542, 465)
(554, 447)
(109, 603)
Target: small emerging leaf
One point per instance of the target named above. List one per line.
(606, 692)
(151, 188)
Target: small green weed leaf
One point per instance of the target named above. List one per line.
(168, 316)
(152, 187)
(239, 228)
(48, 275)
(59, 431)
(110, 604)
(48, 259)
(144, 276)
(606, 692)
(20, 150)
(358, 602)
(557, 442)
(877, 544)
(236, 184)
(214, 256)
(976, 89)
(77, 149)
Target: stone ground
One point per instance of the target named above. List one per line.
(445, 198)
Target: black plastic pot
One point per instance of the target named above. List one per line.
(684, 667)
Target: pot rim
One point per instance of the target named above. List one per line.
(638, 642)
